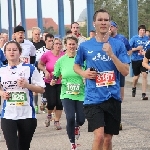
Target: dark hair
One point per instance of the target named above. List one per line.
(13, 42)
(70, 37)
(68, 32)
(74, 23)
(92, 31)
(98, 11)
(142, 27)
(49, 36)
(148, 30)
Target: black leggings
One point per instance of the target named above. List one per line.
(74, 116)
(18, 133)
(53, 96)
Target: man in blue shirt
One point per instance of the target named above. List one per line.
(105, 59)
(139, 44)
(114, 34)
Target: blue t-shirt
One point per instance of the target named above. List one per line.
(2, 57)
(124, 40)
(91, 52)
(136, 41)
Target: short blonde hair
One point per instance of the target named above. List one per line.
(36, 28)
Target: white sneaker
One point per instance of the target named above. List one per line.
(73, 146)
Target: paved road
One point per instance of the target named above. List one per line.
(134, 136)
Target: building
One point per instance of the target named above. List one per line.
(47, 22)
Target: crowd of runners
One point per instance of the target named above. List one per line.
(84, 77)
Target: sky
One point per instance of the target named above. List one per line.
(49, 10)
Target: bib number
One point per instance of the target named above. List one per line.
(25, 59)
(105, 78)
(73, 89)
(17, 98)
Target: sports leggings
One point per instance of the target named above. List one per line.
(18, 133)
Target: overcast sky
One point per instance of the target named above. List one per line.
(49, 10)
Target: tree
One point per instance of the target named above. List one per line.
(118, 9)
(49, 30)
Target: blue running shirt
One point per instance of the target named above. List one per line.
(107, 83)
(136, 41)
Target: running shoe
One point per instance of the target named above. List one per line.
(133, 92)
(47, 121)
(36, 109)
(57, 125)
(73, 146)
(144, 97)
(77, 132)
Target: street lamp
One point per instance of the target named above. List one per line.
(72, 10)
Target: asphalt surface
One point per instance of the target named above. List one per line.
(134, 136)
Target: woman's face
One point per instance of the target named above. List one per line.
(57, 45)
(12, 52)
(71, 45)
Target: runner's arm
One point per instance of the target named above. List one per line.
(41, 66)
(146, 58)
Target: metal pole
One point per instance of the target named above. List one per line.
(39, 15)
(9, 19)
(14, 8)
(61, 29)
(133, 22)
(23, 19)
(90, 13)
(72, 10)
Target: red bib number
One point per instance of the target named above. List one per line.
(105, 78)
(25, 59)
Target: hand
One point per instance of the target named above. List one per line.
(47, 75)
(107, 48)
(22, 83)
(143, 52)
(5, 95)
(53, 82)
(89, 74)
(140, 47)
(130, 52)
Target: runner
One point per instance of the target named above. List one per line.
(139, 44)
(114, 34)
(72, 90)
(49, 42)
(38, 43)
(28, 49)
(105, 59)
(46, 64)
(18, 81)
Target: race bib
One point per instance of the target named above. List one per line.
(17, 98)
(73, 89)
(105, 78)
(25, 59)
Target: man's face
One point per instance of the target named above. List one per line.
(36, 35)
(113, 30)
(102, 23)
(19, 36)
(141, 32)
(5, 37)
(75, 29)
(147, 33)
(49, 42)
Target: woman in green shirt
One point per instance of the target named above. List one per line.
(72, 90)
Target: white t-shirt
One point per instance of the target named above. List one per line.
(21, 105)
(40, 52)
